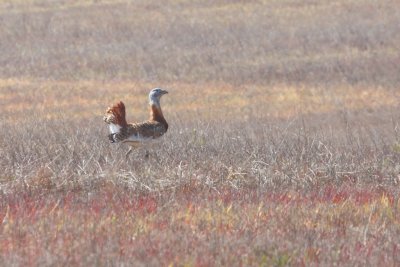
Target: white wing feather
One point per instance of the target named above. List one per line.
(114, 128)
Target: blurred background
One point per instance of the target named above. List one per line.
(236, 42)
(220, 57)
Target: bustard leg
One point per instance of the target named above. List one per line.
(128, 153)
(154, 155)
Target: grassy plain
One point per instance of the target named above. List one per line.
(283, 147)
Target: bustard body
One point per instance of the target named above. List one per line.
(135, 134)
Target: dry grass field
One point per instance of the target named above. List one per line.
(283, 147)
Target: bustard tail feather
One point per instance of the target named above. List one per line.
(118, 110)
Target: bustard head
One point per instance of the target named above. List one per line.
(155, 95)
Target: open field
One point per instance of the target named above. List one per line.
(283, 147)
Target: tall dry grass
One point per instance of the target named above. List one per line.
(311, 190)
(264, 154)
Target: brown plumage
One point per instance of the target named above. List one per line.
(118, 111)
(136, 133)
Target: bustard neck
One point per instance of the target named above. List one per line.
(156, 114)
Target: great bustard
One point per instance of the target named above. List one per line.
(135, 134)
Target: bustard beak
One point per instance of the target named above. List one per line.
(164, 92)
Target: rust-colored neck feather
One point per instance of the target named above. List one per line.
(157, 115)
